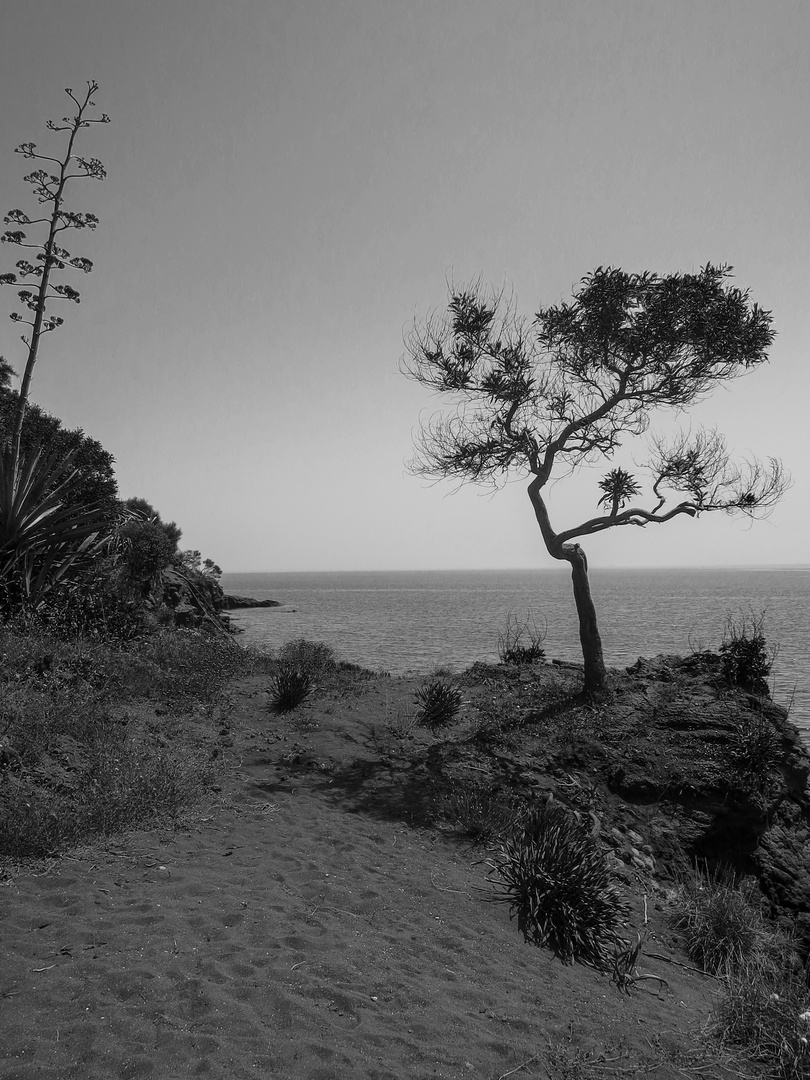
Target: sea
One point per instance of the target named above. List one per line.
(417, 621)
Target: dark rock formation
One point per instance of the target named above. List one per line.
(230, 603)
(719, 775)
(194, 598)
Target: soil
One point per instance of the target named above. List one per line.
(322, 916)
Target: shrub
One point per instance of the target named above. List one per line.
(721, 921)
(521, 643)
(557, 881)
(120, 786)
(186, 667)
(438, 703)
(479, 811)
(315, 658)
(290, 688)
(744, 655)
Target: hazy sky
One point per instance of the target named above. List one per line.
(291, 183)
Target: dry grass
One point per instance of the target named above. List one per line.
(92, 737)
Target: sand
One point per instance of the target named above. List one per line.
(294, 927)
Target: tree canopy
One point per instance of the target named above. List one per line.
(541, 397)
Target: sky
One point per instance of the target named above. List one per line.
(291, 183)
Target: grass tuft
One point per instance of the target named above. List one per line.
(721, 922)
(290, 688)
(438, 703)
(764, 1009)
(480, 811)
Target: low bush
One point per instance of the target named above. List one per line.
(187, 667)
(558, 883)
(120, 786)
(83, 750)
(744, 653)
(315, 658)
(521, 642)
(438, 703)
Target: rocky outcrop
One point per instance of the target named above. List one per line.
(194, 598)
(720, 775)
(231, 603)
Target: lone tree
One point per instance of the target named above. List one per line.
(543, 397)
(35, 289)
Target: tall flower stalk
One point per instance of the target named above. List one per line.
(33, 279)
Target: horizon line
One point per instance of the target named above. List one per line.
(529, 569)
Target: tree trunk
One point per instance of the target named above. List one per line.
(589, 637)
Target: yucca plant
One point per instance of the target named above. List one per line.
(558, 883)
(290, 688)
(42, 541)
(438, 703)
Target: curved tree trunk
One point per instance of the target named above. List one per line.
(589, 636)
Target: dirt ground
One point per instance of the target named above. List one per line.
(319, 918)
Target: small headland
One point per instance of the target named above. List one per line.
(234, 603)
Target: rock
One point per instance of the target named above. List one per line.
(676, 767)
(231, 603)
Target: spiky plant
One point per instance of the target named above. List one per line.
(438, 703)
(43, 539)
(290, 688)
(558, 883)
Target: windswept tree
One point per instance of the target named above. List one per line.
(542, 397)
(34, 279)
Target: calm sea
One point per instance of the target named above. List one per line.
(416, 621)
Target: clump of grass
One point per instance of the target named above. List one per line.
(521, 642)
(290, 688)
(558, 883)
(753, 751)
(720, 920)
(479, 811)
(744, 654)
(764, 1009)
(400, 724)
(764, 1005)
(438, 703)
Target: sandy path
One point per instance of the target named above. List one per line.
(286, 935)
